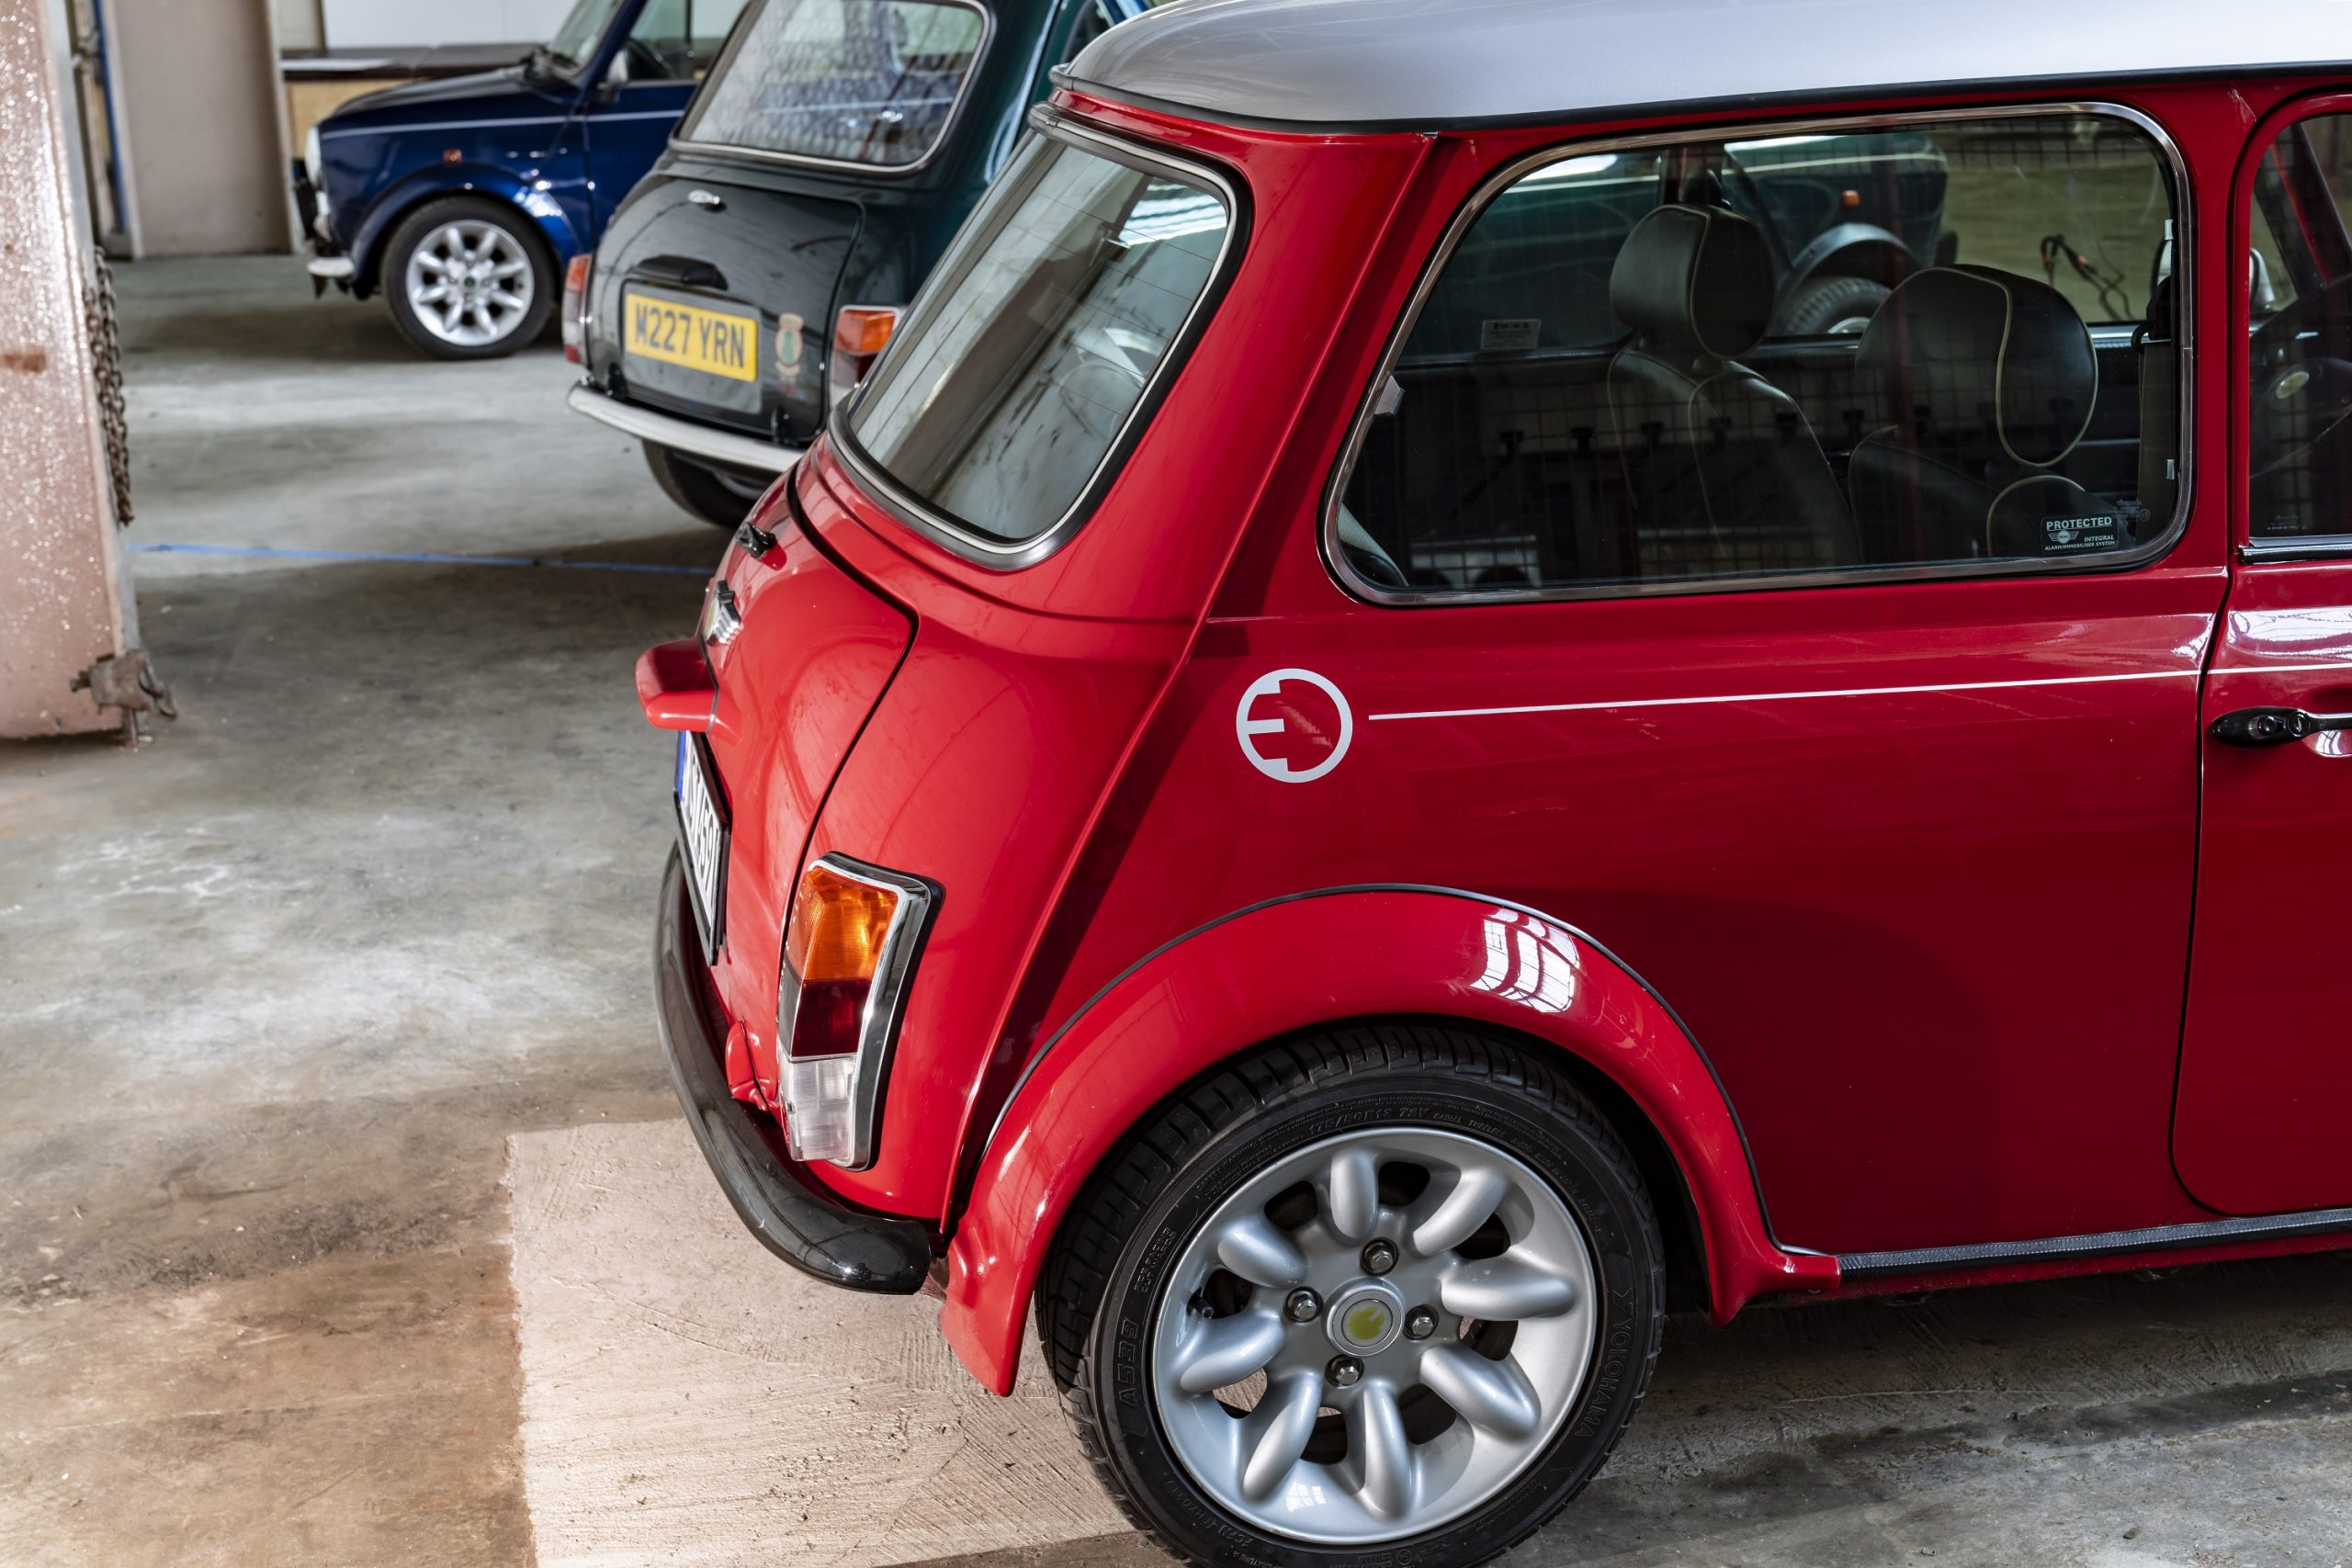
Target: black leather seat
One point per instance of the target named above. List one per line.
(1723, 470)
(1988, 381)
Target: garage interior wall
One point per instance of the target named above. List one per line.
(62, 603)
(197, 99)
(416, 24)
(301, 24)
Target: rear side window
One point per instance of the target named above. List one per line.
(1931, 345)
(870, 82)
(1000, 406)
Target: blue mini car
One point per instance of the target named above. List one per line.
(462, 200)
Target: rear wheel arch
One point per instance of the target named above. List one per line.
(1410, 954)
(1668, 1187)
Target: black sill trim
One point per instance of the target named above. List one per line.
(791, 1215)
(2104, 1243)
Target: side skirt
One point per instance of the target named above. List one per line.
(2104, 1243)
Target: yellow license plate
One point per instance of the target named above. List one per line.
(714, 341)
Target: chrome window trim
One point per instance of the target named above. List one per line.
(2295, 548)
(886, 998)
(1335, 560)
(1006, 555)
(682, 139)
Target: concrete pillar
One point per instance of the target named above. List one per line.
(67, 616)
(203, 124)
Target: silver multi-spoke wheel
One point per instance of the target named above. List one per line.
(471, 282)
(1375, 1336)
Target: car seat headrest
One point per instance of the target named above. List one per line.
(1973, 350)
(1697, 278)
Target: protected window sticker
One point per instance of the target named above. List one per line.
(1509, 333)
(2076, 535)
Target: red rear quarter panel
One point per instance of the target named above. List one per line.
(816, 652)
(1059, 753)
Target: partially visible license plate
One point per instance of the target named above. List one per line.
(719, 342)
(702, 838)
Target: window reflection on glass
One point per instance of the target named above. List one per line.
(853, 81)
(2300, 406)
(1529, 962)
(1010, 384)
(1804, 354)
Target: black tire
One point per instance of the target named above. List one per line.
(1100, 1293)
(419, 227)
(1835, 306)
(719, 495)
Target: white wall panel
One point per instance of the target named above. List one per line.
(416, 24)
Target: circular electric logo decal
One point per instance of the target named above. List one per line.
(1294, 725)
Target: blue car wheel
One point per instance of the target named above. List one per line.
(468, 278)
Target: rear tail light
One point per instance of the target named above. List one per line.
(860, 334)
(850, 947)
(575, 309)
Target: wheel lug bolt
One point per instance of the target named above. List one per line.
(1344, 1372)
(1304, 1305)
(1379, 1257)
(1420, 1324)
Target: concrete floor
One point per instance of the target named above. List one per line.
(344, 1217)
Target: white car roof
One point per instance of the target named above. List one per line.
(1397, 63)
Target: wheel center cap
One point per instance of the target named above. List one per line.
(1366, 1318)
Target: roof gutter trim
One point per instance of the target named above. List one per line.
(2004, 88)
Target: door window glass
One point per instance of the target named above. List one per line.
(2299, 408)
(1937, 344)
(675, 41)
(850, 81)
(576, 37)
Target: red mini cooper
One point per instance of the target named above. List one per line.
(1477, 671)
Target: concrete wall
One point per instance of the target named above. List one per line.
(196, 96)
(60, 604)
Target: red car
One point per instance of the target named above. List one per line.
(1354, 805)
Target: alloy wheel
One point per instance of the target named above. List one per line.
(1375, 1334)
(470, 283)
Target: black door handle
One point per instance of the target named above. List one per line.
(2274, 726)
(685, 271)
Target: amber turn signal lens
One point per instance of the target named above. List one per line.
(864, 329)
(837, 927)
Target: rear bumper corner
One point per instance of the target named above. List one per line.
(776, 1200)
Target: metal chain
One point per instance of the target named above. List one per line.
(106, 357)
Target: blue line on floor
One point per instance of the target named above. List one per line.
(427, 558)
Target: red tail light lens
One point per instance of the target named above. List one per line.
(575, 309)
(860, 334)
(850, 947)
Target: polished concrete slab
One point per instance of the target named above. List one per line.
(291, 997)
(276, 988)
(687, 1399)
